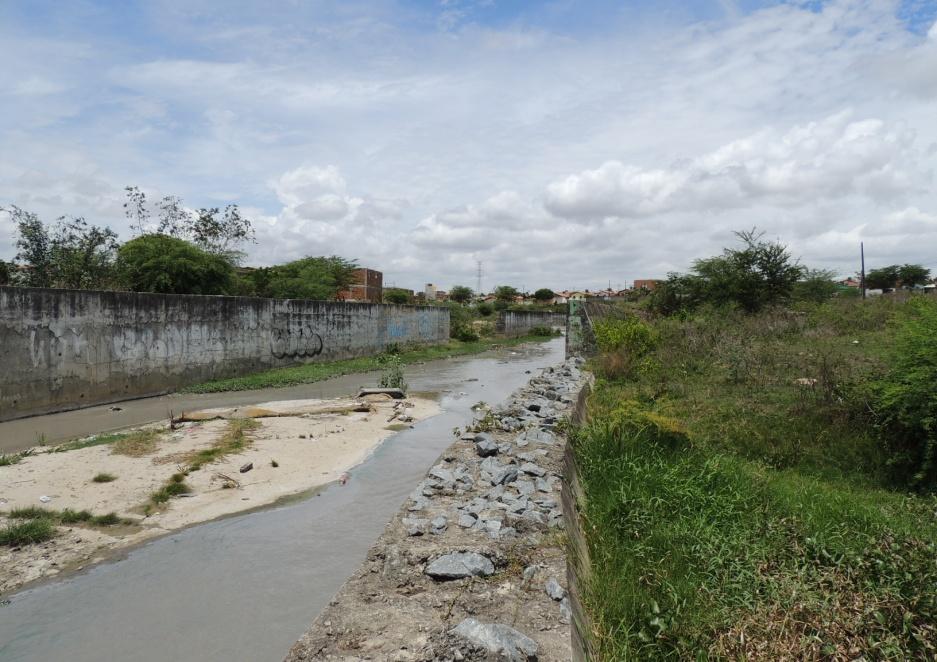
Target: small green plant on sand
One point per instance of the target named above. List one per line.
(392, 372)
(104, 477)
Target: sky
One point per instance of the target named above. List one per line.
(564, 144)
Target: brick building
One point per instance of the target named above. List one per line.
(368, 285)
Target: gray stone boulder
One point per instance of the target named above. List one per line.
(458, 565)
(554, 590)
(500, 640)
(486, 448)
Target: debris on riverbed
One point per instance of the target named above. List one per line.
(469, 568)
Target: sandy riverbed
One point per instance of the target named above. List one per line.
(309, 449)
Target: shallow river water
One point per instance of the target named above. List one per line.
(246, 587)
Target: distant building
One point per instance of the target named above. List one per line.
(429, 292)
(368, 286)
(850, 282)
(646, 284)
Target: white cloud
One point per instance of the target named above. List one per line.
(821, 160)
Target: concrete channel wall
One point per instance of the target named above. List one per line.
(64, 349)
(520, 322)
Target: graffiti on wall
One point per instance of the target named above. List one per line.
(295, 343)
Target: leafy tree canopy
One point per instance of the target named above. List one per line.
(72, 253)
(544, 294)
(897, 275)
(506, 293)
(396, 296)
(169, 265)
(320, 278)
(759, 274)
(461, 294)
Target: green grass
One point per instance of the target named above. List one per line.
(173, 488)
(18, 534)
(10, 459)
(66, 516)
(104, 477)
(760, 523)
(136, 443)
(314, 372)
(88, 442)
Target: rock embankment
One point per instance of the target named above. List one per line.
(473, 565)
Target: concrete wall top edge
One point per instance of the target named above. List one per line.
(16, 290)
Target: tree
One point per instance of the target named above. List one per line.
(817, 285)
(913, 274)
(760, 274)
(882, 278)
(544, 294)
(461, 294)
(72, 254)
(396, 296)
(83, 255)
(168, 265)
(6, 275)
(506, 293)
(319, 278)
(34, 248)
(208, 228)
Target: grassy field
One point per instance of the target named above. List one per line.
(739, 501)
(315, 372)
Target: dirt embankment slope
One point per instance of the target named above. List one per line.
(473, 565)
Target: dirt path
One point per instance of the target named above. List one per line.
(289, 453)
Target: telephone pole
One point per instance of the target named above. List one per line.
(862, 273)
(478, 281)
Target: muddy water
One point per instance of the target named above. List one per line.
(53, 428)
(246, 587)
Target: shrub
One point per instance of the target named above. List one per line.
(542, 331)
(629, 334)
(485, 309)
(464, 333)
(104, 477)
(392, 373)
(907, 398)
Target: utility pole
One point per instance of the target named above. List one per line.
(862, 273)
(478, 282)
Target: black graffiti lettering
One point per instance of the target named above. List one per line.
(295, 343)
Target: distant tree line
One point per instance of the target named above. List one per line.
(175, 250)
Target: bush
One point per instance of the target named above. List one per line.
(392, 373)
(542, 331)
(629, 334)
(464, 333)
(485, 309)
(907, 398)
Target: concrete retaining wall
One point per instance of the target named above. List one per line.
(520, 322)
(63, 349)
